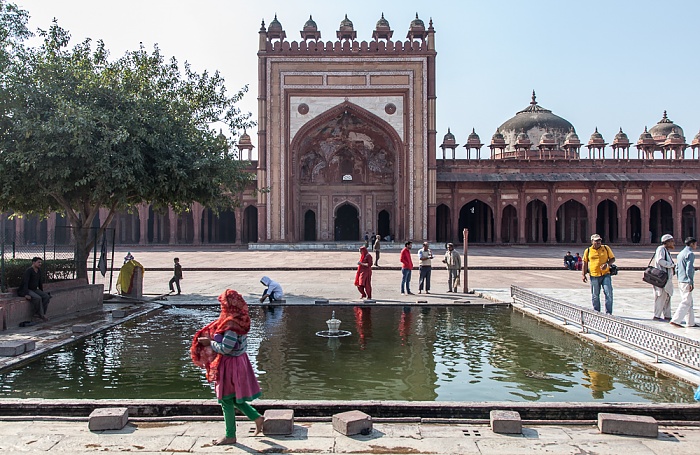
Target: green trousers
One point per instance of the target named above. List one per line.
(229, 406)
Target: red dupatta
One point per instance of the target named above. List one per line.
(234, 316)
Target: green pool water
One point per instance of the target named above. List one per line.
(428, 353)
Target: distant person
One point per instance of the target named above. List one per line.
(128, 257)
(579, 262)
(569, 261)
(220, 348)
(664, 261)
(377, 246)
(454, 266)
(366, 239)
(425, 268)
(597, 260)
(32, 288)
(685, 264)
(177, 276)
(273, 290)
(406, 268)
(363, 277)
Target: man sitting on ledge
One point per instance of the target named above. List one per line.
(32, 289)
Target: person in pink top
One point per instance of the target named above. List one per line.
(406, 268)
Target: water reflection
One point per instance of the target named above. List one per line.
(426, 353)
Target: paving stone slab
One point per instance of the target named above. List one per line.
(628, 425)
(278, 421)
(406, 445)
(352, 422)
(12, 348)
(118, 313)
(506, 422)
(108, 419)
(81, 328)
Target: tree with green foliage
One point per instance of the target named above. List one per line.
(81, 132)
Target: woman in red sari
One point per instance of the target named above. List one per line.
(363, 277)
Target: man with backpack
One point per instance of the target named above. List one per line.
(597, 260)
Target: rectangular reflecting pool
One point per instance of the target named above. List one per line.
(415, 354)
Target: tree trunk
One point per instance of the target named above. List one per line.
(82, 251)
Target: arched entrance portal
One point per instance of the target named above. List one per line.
(606, 221)
(509, 225)
(384, 224)
(347, 223)
(310, 226)
(634, 224)
(660, 220)
(347, 150)
(571, 222)
(688, 222)
(249, 233)
(536, 222)
(443, 225)
(478, 218)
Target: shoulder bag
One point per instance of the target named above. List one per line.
(655, 277)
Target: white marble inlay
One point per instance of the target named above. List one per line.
(320, 104)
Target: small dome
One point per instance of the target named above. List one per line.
(674, 135)
(417, 23)
(596, 136)
(310, 24)
(382, 23)
(449, 136)
(473, 136)
(346, 24)
(497, 136)
(696, 139)
(645, 136)
(572, 136)
(663, 128)
(621, 136)
(275, 25)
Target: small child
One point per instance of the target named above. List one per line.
(273, 290)
(177, 276)
(220, 348)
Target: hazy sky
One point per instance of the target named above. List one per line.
(610, 64)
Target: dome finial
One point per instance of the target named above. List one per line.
(665, 116)
(534, 98)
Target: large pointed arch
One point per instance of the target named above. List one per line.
(347, 152)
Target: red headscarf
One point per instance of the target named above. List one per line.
(234, 316)
(364, 272)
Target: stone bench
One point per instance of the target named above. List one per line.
(67, 297)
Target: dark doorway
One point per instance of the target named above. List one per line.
(158, 226)
(219, 228)
(384, 224)
(634, 224)
(660, 220)
(606, 221)
(478, 218)
(347, 223)
(249, 232)
(536, 222)
(509, 225)
(310, 226)
(185, 228)
(572, 222)
(443, 226)
(688, 222)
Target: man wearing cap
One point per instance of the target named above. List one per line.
(664, 261)
(686, 274)
(597, 260)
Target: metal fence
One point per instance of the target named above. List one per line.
(58, 255)
(658, 343)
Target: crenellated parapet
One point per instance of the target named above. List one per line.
(419, 40)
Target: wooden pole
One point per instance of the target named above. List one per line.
(465, 286)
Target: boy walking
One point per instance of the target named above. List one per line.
(177, 276)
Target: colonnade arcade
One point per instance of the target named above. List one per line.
(145, 226)
(567, 221)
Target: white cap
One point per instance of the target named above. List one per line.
(666, 237)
